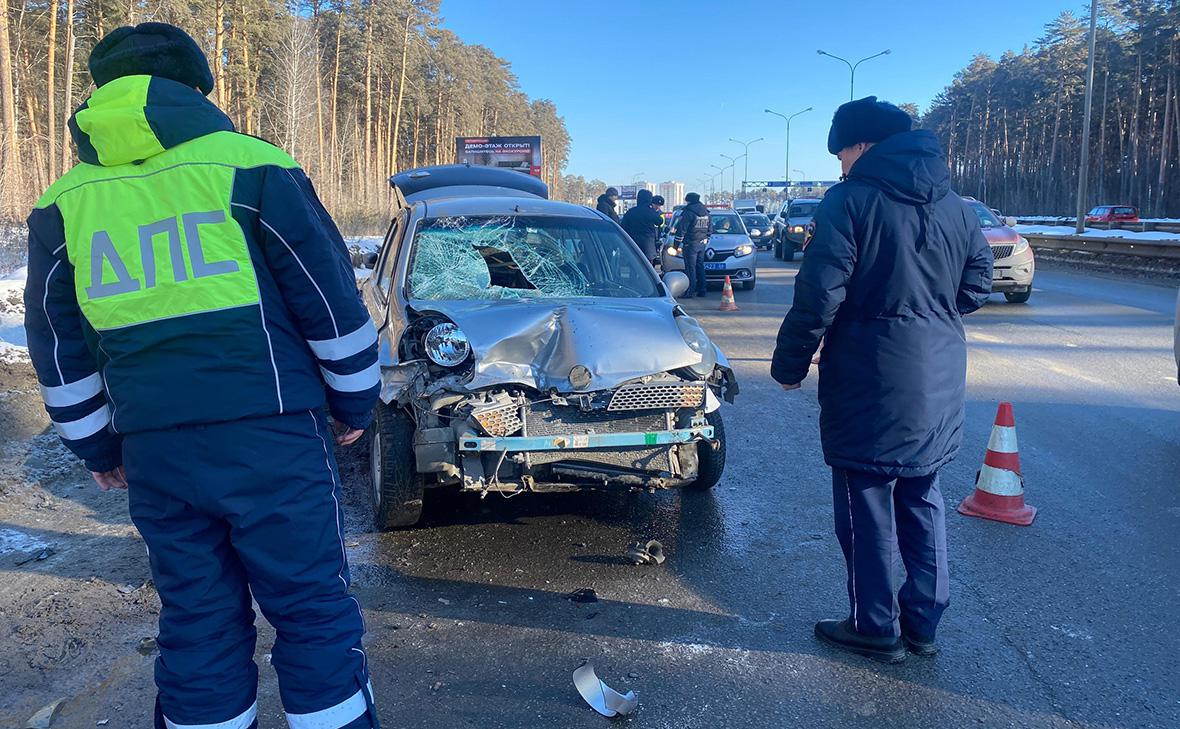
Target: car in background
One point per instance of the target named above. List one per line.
(748, 205)
(1113, 214)
(760, 228)
(526, 345)
(1015, 265)
(790, 226)
(730, 252)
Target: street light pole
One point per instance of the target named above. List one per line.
(720, 171)
(787, 159)
(1080, 223)
(852, 68)
(746, 154)
(732, 163)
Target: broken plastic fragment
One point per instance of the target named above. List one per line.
(584, 595)
(602, 698)
(651, 552)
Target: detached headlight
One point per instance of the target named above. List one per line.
(744, 249)
(673, 251)
(447, 345)
(1021, 245)
(699, 342)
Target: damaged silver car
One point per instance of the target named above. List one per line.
(526, 345)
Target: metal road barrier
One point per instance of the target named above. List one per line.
(1169, 249)
(1145, 226)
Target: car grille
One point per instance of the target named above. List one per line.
(999, 252)
(718, 256)
(658, 396)
(543, 419)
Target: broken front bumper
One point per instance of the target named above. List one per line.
(576, 441)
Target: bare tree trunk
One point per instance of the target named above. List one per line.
(68, 95)
(401, 88)
(368, 151)
(1165, 137)
(51, 93)
(11, 152)
(219, 51)
(414, 144)
(39, 182)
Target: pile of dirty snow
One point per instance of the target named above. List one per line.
(1154, 236)
(13, 342)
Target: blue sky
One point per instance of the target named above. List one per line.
(659, 87)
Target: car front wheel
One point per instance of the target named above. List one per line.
(1018, 297)
(710, 456)
(749, 285)
(396, 486)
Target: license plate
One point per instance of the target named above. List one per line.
(714, 266)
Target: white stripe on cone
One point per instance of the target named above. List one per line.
(999, 482)
(1003, 439)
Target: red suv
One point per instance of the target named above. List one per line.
(1113, 214)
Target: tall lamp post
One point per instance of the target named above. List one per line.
(1080, 223)
(732, 163)
(746, 154)
(787, 159)
(852, 68)
(721, 171)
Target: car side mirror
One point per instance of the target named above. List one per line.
(676, 282)
(370, 259)
(1009, 221)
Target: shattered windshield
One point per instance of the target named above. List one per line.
(521, 257)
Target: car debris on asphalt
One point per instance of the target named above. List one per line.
(650, 552)
(602, 698)
(584, 595)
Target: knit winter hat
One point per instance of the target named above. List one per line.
(691, 198)
(152, 49)
(866, 120)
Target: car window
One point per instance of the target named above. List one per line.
(1097, 211)
(758, 221)
(522, 257)
(1125, 211)
(802, 210)
(388, 259)
(986, 218)
(727, 223)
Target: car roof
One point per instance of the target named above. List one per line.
(806, 199)
(505, 205)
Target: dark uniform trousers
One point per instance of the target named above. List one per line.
(239, 508)
(880, 519)
(694, 267)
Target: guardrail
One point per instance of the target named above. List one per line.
(1124, 246)
(1146, 226)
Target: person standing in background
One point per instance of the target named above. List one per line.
(607, 202)
(693, 228)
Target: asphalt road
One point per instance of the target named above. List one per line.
(1066, 623)
(1069, 622)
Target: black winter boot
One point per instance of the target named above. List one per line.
(840, 634)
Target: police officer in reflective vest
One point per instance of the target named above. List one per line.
(191, 311)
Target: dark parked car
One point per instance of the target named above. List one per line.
(526, 345)
(790, 226)
(760, 228)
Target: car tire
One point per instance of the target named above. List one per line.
(396, 487)
(710, 460)
(749, 285)
(1018, 297)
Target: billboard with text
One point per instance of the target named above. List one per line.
(522, 154)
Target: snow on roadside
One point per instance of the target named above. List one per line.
(359, 247)
(1154, 236)
(13, 342)
(1056, 218)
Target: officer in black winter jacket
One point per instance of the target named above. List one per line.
(606, 203)
(693, 228)
(897, 260)
(642, 223)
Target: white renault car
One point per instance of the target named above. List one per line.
(730, 251)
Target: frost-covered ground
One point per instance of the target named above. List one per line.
(12, 317)
(1055, 218)
(1154, 236)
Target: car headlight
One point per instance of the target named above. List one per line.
(797, 229)
(673, 251)
(447, 345)
(744, 249)
(699, 342)
(1021, 245)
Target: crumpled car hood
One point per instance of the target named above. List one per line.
(536, 343)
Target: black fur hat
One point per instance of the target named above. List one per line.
(152, 49)
(866, 120)
(691, 198)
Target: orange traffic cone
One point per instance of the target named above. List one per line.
(999, 487)
(727, 302)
